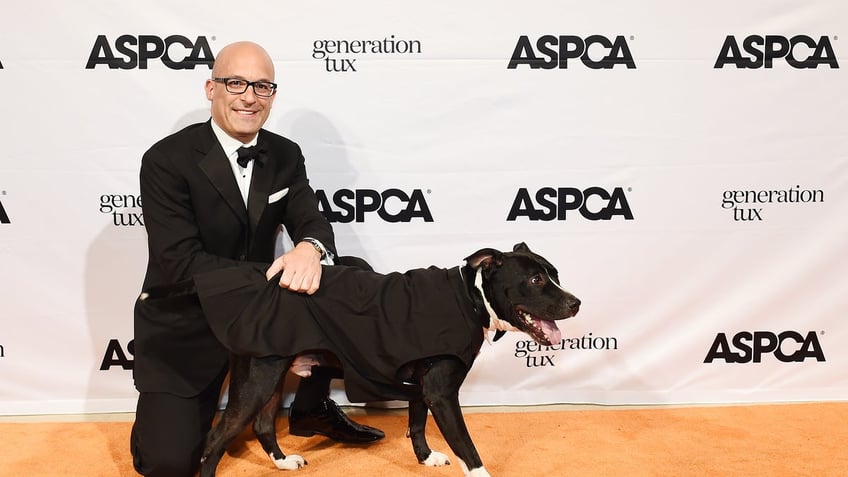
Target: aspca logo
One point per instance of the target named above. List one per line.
(747, 347)
(548, 203)
(391, 205)
(800, 51)
(115, 355)
(4, 217)
(176, 52)
(549, 52)
(125, 209)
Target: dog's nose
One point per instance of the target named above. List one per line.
(574, 304)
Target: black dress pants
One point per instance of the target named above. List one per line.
(168, 434)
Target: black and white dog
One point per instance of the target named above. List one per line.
(401, 336)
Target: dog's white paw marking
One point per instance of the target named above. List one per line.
(436, 459)
(479, 472)
(291, 462)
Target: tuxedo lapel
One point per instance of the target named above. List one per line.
(260, 184)
(216, 166)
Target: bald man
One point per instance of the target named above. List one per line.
(215, 194)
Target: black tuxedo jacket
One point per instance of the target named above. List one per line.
(196, 221)
(374, 323)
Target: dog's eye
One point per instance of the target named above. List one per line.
(537, 280)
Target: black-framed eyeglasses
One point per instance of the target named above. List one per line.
(265, 89)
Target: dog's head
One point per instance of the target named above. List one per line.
(522, 288)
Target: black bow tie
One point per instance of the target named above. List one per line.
(247, 154)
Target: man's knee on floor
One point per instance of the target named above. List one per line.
(165, 461)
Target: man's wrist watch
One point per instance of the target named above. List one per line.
(318, 248)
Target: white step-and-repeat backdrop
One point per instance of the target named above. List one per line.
(683, 164)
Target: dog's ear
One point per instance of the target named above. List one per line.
(522, 247)
(484, 258)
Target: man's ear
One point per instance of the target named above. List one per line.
(208, 87)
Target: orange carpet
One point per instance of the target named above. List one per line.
(771, 440)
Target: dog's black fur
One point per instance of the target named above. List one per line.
(516, 290)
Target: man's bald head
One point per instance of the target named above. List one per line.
(241, 49)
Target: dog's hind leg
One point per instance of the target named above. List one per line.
(416, 432)
(252, 383)
(440, 388)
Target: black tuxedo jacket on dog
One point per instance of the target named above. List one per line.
(196, 221)
(373, 323)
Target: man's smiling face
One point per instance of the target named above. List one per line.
(240, 115)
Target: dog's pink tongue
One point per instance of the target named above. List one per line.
(551, 331)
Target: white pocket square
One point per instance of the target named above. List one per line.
(277, 195)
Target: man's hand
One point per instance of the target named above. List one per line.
(301, 268)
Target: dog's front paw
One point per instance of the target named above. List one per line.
(479, 472)
(436, 459)
(291, 462)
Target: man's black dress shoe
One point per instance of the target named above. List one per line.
(328, 420)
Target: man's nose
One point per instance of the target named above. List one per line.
(249, 95)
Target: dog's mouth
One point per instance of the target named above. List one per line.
(545, 332)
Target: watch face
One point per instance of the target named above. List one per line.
(317, 247)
